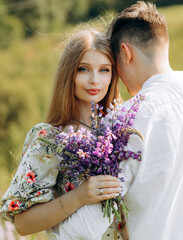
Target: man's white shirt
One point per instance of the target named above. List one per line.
(153, 189)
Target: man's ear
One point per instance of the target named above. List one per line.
(127, 51)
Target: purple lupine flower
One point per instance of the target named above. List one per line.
(81, 153)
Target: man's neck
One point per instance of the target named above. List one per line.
(147, 70)
(145, 66)
(160, 64)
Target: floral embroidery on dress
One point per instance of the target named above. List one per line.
(42, 133)
(30, 176)
(14, 205)
(37, 179)
(69, 186)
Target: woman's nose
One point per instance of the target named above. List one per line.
(94, 78)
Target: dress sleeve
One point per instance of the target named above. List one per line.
(35, 178)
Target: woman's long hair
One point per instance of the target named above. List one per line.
(64, 107)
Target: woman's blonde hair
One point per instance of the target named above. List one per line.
(64, 107)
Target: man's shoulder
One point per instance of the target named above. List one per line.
(163, 88)
(178, 73)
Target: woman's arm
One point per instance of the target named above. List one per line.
(46, 215)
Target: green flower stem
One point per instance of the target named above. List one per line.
(125, 209)
(106, 206)
(110, 206)
(116, 213)
(108, 210)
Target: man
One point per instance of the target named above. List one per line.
(153, 189)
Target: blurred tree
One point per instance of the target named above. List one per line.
(26, 74)
(40, 16)
(10, 28)
(79, 11)
(44, 16)
(54, 17)
(163, 3)
(16, 110)
(26, 11)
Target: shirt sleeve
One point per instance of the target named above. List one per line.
(129, 167)
(35, 178)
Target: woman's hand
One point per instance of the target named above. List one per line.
(46, 215)
(89, 191)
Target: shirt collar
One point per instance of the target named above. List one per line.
(157, 77)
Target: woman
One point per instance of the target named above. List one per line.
(39, 198)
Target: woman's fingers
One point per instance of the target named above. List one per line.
(105, 187)
(102, 178)
(105, 197)
(108, 184)
(107, 191)
(99, 188)
(103, 182)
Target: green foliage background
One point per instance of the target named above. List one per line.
(29, 56)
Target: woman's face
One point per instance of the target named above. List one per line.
(93, 77)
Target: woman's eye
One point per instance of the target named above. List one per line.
(82, 69)
(105, 70)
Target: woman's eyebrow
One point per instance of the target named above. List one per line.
(103, 64)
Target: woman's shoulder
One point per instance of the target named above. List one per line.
(41, 127)
(38, 130)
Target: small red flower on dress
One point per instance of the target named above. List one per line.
(69, 186)
(14, 205)
(38, 193)
(119, 226)
(42, 133)
(30, 177)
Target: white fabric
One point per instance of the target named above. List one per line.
(87, 223)
(154, 188)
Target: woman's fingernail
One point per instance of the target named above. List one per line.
(120, 189)
(116, 194)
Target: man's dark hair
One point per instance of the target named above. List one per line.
(141, 25)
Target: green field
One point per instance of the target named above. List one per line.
(26, 76)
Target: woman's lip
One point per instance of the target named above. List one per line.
(93, 91)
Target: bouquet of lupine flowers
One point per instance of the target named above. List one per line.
(99, 151)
